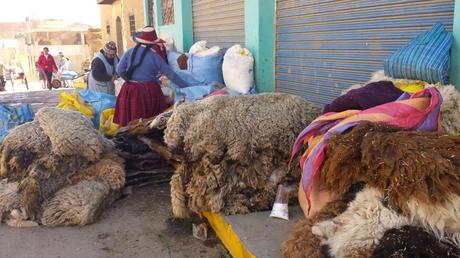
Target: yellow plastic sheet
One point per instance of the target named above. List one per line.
(80, 85)
(228, 237)
(413, 86)
(73, 101)
(106, 125)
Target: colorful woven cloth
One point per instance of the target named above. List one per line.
(371, 95)
(419, 111)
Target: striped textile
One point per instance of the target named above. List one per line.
(419, 111)
(426, 57)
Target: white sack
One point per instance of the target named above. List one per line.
(238, 69)
(169, 42)
(118, 84)
(200, 49)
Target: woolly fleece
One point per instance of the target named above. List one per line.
(231, 145)
(450, 109)
(43, 161)
(22, 146)
(65, 128)
(401, 164)
(358, 230)
(410, 242)
(79, 204)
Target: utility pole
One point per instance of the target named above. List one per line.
(28, 46)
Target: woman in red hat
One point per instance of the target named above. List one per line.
(140, 67)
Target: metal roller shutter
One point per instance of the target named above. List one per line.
(220, 22)
(325, 46)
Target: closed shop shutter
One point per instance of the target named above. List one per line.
(325, 46)
(219, 22)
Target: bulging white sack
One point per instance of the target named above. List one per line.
(238, 69)
(118, 84)
(200, 49)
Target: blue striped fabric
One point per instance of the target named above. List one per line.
(426, 57)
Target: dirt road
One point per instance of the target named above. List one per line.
(138, 225)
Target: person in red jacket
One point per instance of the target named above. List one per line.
(47, 65)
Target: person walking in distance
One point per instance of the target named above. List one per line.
(3, 68)
(47, 65)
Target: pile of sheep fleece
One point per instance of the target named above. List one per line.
(409, 205)
(57, 170)
(235, 151)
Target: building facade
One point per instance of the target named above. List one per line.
(58, 36)
(21, 43)
(311, 48)
(119, 20)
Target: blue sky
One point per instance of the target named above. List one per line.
(85, 11)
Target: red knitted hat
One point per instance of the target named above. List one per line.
(147, 35)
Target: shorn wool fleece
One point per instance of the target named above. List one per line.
(230, 147)
(57, 170)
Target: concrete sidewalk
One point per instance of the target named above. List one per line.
(261, 235)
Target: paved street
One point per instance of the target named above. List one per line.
(20, 87)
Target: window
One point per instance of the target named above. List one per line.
(132, 24)
(107, 28)
(167, 7)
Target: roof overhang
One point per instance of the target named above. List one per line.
(105, 1)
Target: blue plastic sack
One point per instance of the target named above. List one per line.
(252, 91)
(190, 78)
(426, 57)
(172, 60)
(99, 101)
(11, 117)
(207, 68)
(198, 88)
(202, 75)
(194, 92)
(68, 75)
(24, 113)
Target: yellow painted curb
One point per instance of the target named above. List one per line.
(228, 237)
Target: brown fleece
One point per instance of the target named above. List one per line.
(402, 164)
(109, 169)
